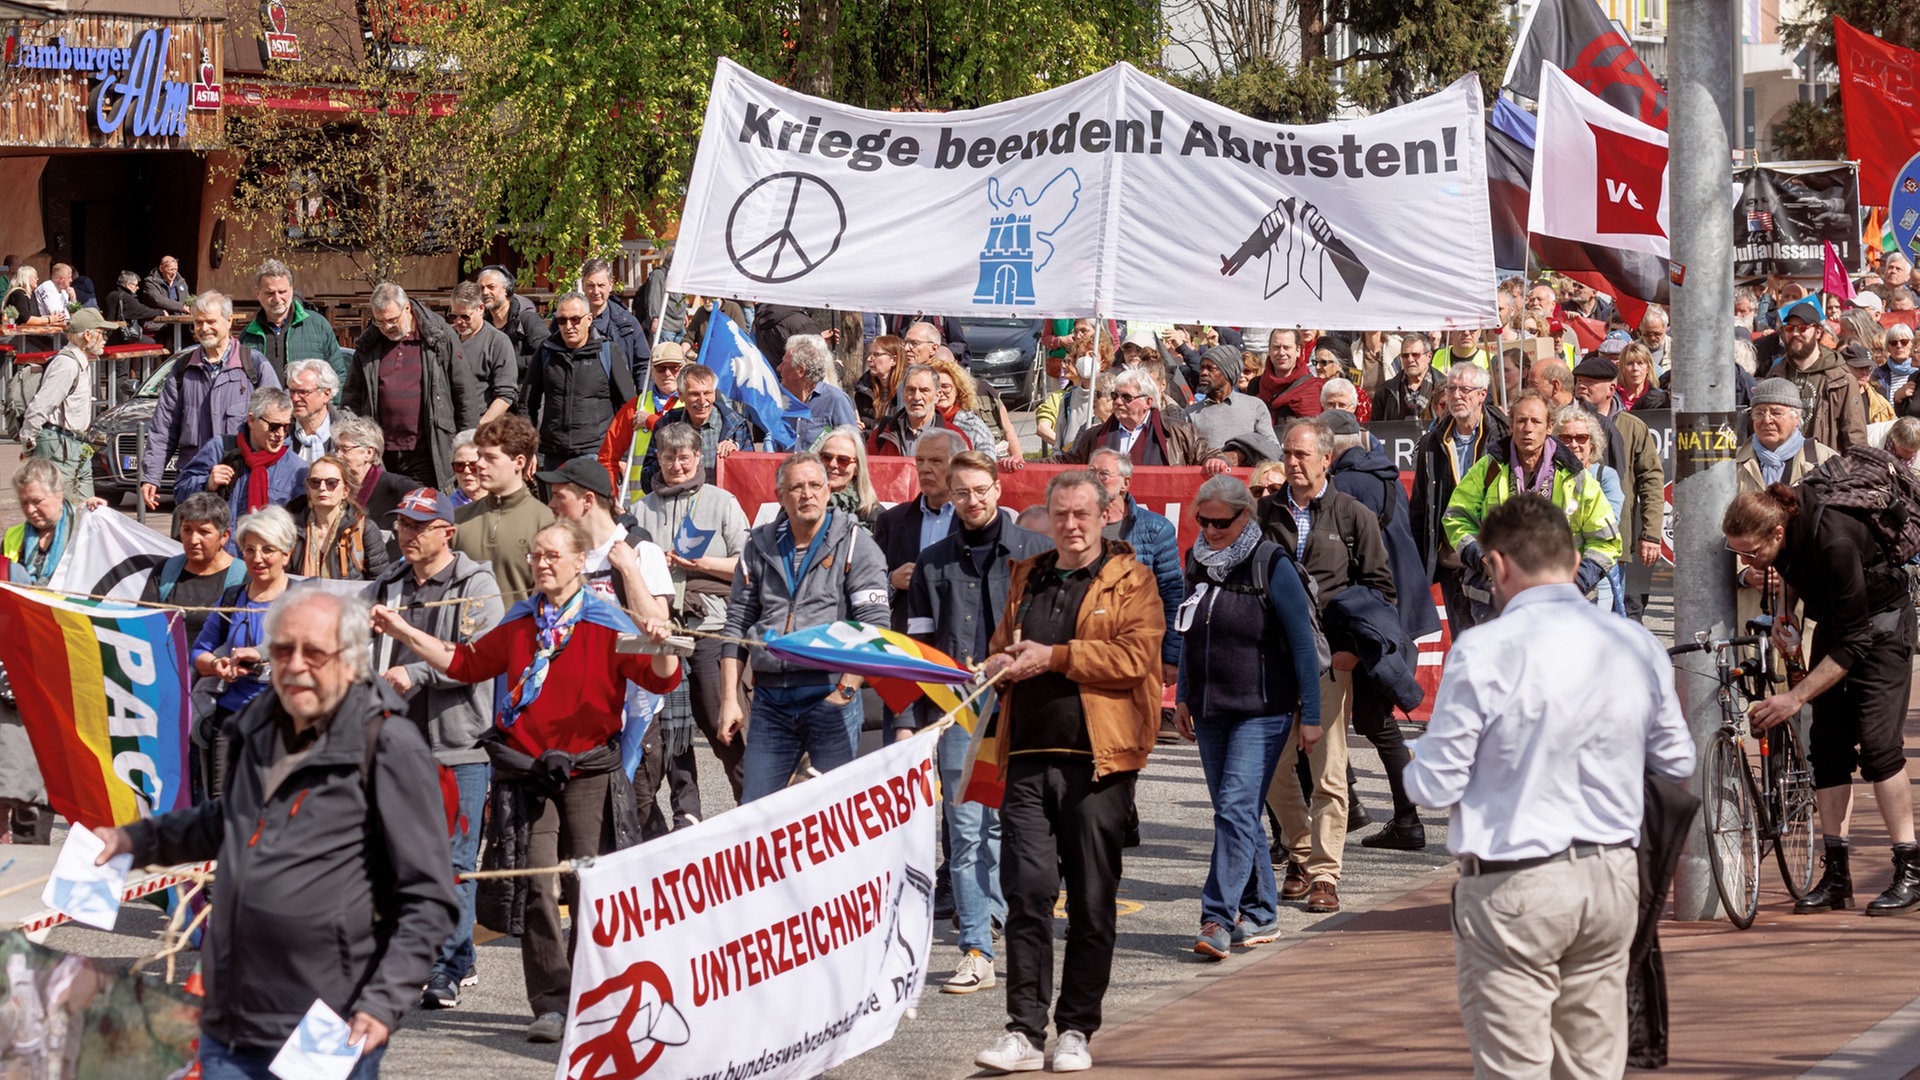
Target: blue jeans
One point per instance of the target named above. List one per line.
(1237, 756)
(456, 953)
(218, 1062)
(973, 854)
(787, 721)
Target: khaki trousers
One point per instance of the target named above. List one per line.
(1316, 835)
(1541, 963)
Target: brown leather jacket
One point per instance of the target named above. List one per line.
(1114, 656)
(1184, 443)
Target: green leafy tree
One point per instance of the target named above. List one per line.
(382, 180)
(1274, 60)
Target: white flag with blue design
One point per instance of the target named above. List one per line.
(746, 379)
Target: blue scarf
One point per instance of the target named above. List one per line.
(40, 568)
(1773, 463)
(552, 628)
(1899, 373)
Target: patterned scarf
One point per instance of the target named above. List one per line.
(1541, 483)
(1219, 562)
(553, 627)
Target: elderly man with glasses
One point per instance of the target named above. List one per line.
(253, 469)
(408, 377)
(1445, 454)
(1414, 393)
(1140, 429)
(313, 386)
(575, 386)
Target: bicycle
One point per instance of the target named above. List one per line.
(1751, 806)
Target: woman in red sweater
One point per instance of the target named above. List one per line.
(558, 717)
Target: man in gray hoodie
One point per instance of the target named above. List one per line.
(1225, 413)
(807, 567)
(451, 714)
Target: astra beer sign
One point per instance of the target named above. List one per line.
(105, 81)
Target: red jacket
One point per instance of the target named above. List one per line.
(582, 703)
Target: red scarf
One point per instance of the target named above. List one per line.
(258, 494)
(366, 486)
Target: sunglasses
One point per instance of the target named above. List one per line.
(278, 429)
(466, 466)
(839, 461)
(1218, 523)
(1739, 552)
(1262, 490)
(1576, 440)
(323, 483)
(1122, 399)
(571, 320)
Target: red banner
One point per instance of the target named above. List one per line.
(1880, 91)
(1164, 491)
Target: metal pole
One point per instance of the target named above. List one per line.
(1700, 134)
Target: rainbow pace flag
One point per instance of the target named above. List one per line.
(102, 690)
(900, 668)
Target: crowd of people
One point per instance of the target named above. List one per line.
(519, 496)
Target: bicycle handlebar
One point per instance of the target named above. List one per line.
(1714, 646)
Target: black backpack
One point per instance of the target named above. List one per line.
(1262, 558)
(1872, 485)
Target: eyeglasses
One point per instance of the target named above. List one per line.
(1218, 523)
(571, 320)
(1465, 390)
(1576, 440)
(323, 483)
(1742, 554)
(839, 461)
(1414, 355)
(466, 466)
(283, 653)
(538, 558)
(301, 392)
(277, 429)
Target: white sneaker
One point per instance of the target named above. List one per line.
(1071, 1054)
(1013, 1053)
(974, 973)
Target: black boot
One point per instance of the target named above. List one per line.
(1357, 816)
(1401, 834)
(1834, 891)
(1903, 894)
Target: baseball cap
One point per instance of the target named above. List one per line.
(424, 504)
(1807, 309)
(584, 471)
(1855, 355)
(1868, 302)
(669, 352)
(86, 319)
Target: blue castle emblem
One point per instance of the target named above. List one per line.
(1017, 223)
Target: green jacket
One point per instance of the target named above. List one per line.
(1596, 532)
(309, 337)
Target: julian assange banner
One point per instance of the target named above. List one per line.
(1789, 212)
(102, 691)
(1091, 198)
(777, 940)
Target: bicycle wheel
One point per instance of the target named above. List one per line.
(1792, 808)
(1733, 836)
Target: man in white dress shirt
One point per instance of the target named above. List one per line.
(1541, 765)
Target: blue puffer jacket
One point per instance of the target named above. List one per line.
(1156, 543)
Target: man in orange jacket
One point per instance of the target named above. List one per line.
(1079, 646)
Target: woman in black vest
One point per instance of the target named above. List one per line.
(1250, 665)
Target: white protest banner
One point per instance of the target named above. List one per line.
(1114, 195)
(110, 554)
(776, 940)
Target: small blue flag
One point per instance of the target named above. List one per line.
(747, 378)
(689, 540)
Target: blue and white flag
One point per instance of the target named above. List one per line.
(747, 378)
(690, 541)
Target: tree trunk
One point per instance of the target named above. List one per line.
(1313, 31)
(814, 33)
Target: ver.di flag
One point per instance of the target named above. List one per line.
(1089, 199)
(102, 691)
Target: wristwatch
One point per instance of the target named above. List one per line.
(846, 688)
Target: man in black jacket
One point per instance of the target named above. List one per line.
(575, 385)
(332, 842)
(906, 529)
(1338, 541)
(407, 376)
(1415, 392)
(612, 321)
(123, 305)
(1449, 449)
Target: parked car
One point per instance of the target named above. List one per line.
(115, 436)
(1004, 355)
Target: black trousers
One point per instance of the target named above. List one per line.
(1373, 718)
(703, 688)
(1055, 820)
(1459, 608)
(572, 826)
(415, 464)
(1857, 724)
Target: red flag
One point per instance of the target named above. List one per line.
(1834, 280)
(1880, 94)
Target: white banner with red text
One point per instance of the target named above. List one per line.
(776, 940)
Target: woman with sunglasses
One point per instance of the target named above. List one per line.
(1250, 664)
(1268, 478)
(336, 538)
(466, 470)
(1579, 432)
(845, 457)
(228, 648)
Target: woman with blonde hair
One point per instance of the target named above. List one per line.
(844, 454)
(958, 404)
